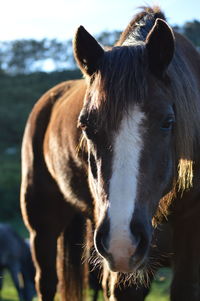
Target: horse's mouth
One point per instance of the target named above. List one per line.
(127, 265)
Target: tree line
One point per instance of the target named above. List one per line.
(27, 56)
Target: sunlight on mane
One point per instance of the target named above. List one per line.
(185, 174)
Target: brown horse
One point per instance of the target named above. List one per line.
(119, 148)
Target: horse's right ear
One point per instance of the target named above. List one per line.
(87, 51)
(160, 46)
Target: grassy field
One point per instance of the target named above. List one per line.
(9, 292)
(159, 292)
(160, 286)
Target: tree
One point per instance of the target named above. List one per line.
(107, 38)
(192, 31)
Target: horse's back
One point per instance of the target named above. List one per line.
(191, 57)
(41, 114)
(43, 147)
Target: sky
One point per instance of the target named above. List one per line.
(38, 19)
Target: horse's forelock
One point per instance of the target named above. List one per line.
(119, 83)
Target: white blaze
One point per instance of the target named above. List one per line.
(123, 183)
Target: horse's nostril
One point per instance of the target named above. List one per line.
(136, 239)
(141, 243)
(141, 233)
(101, 243)
(104, 244)
(101, 237)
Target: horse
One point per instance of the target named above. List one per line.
(15, 256)
(118, 148)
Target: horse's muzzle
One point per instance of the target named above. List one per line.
(121, 253)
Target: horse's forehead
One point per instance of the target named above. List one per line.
(132, 122)
(112, 106)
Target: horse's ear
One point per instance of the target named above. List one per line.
(87, 51)
(160, 47)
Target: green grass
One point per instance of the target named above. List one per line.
(9, 292)
(160, 286)
(159, 291)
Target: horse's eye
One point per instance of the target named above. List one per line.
(88, 130)
(168, 123)
(87, 126)
(82, 126)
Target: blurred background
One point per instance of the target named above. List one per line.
(36, 53)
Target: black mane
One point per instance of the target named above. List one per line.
(141, 24)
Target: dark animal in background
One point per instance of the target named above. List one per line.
(15, 257)
(119, 148)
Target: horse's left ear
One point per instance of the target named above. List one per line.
(160, 47)
(87, 51)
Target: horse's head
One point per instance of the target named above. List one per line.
(127, 120)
